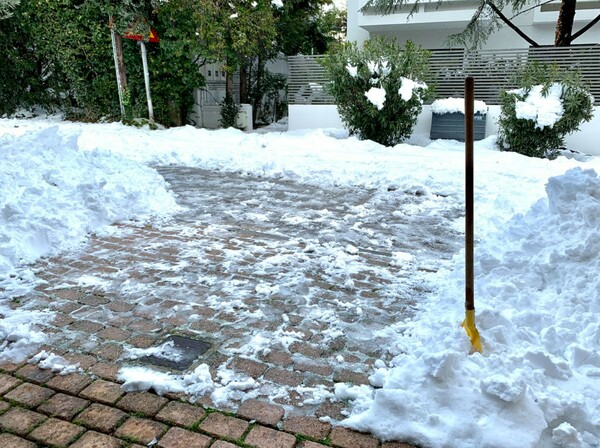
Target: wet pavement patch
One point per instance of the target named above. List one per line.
(188, 350)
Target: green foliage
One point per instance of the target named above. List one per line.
(379, 64)
(523, 135)
(229, 112)
(265, 94)
(307, 27)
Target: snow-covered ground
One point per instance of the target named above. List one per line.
(537, 290)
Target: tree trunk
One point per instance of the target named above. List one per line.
(120, 62)
(244, 83)
(564, 25)
(260, 71)
(229, 84)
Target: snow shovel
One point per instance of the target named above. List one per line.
(469, 323)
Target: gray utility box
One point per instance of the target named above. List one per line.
(452, 126)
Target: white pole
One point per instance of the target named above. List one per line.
(119, 86)
(147, 81)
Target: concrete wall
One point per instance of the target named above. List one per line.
(587, 140)
(431, 25)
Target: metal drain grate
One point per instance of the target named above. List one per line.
(189, 350)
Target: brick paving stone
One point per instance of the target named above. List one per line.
(72, 383)
(56, 432)
(140, 430)
(250, 367)
(287, 377)
(181, 438)
(4, 406)
(397, 445)
(345, 438)
(114, 334)
(34, 374)
(306, 349)
(7, 382)
(29, 395)
(278, 357)
(101, 418)
(62, 320)
(110, 351)
(263, 437)
(86, 326)
(319, 369)
(103, 391)
(223, 444)
(181, 414)
(220, 425)
(63, 406)
(142, 341)
(92, 439)
(309, 444)
(308, 426)
(143, 402)
(105, 371)
(11, 441)
(348, 376)
(266, 413)
(144, 325)
(120, 307)
(20, 421)
(9, 367)
(84, 361)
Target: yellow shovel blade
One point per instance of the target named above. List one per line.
(469, 326)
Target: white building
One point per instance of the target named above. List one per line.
(433, 22)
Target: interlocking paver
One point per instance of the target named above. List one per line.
(4, 406)
(35, 374)
(63, 406)
(263, 437)
(12, 441)
(287, 377)
(142, 402)
(181, 414)
(266, 413)
(220, 425)
(92, 439)
(308, 426)
(223, 444)
(105, 371)
(84, 361)
(20, 421)
(114, 334)
(56, 432)
(103, 391)
(110, 351)
(29, 395)
(7, 382)
(397, 445)
(140, 430)
(181, 438)
(10, 367)
(309, 444)
(248, 366)
(72, 383)
(345, 438)
(101, 418)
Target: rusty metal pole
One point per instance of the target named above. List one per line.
(469, 322)
(469, 194)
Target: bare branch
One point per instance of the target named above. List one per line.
(585, 28)
(531, 8)
(511, 25)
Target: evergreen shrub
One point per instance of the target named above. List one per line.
(530, 122)
(378, 88)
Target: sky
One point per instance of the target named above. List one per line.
(537, 257)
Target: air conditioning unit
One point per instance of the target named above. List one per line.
(244, 117)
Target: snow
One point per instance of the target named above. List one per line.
(456, 105)
(544, 108)
(376, 96)
(408, 87)
(537, 257)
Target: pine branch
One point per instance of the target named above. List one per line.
(530, 8)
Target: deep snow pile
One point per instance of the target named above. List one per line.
(538, 301)
(51, 196)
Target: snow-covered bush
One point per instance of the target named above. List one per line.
(378, 89)
(536, 117)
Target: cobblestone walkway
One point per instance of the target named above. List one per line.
(291, 285)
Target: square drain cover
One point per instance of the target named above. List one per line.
(187, 349)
